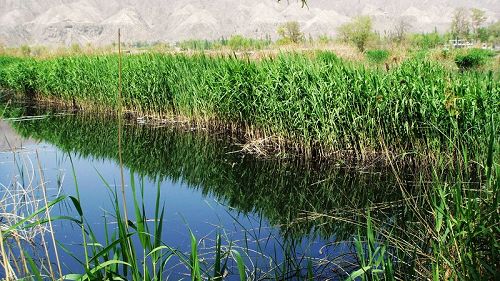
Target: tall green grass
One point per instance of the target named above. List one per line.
(451, 232)
(133, 249)
(210, 164)
(458, 219)
(316, 103)
(467, 223)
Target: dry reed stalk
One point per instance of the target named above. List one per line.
(5, 261)
(120, 119)
(34, 201)
(14, 260)
(47, 211)
(16, 237)
(120, 124)
(4, 257)
(20, 198)
(23, 258)
(10, 199)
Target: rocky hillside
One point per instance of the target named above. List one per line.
(96, 21)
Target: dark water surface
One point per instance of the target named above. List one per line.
(205, 184)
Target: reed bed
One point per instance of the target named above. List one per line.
(210, 163)
(25, 224)
(443, 229)
(316, 104)
(134, 250)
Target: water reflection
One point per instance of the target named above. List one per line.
(280, 190)
(261, 199)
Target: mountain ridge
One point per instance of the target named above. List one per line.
(56, 22)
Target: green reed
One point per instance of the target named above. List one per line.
(130, 250)
(316, 102)
(451, 227)
(205, 162)
(467, 223)
(459, 218)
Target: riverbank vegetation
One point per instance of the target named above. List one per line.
(442, 225)
(418, 122)
(316, 104)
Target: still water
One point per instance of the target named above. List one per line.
(266, 208)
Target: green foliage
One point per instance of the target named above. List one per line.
(466, 222)
(324, 39)
(358, 32)
(377, 56)
(306, 101)
(250, 185)
(196, 45)
(445, 53)
(134, 248)
(240, 43)
(483, 34)
(25, 50)
(490, 33)
(18, 74)
(494, 29)
(427, 40)
(236, 43)
(375, 261)
(457, 222)
(473, 58)
(290, 32)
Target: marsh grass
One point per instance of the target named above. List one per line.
(316, 105)
(321, 105)
(214, 165)
(461, 225)
(131, 249)
(455, 239)
(25, 223)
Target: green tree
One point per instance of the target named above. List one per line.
(324, 39)
(359, 32)
(401, 28)
(238, 42)
(478, 17)
(460, 25)
(290, 32)
(490, 33)
(427, 40)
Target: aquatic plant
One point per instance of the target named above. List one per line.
(451, 233)
(133, 249)
(214, 166)
(317, 105)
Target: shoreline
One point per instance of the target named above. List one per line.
(319, 107)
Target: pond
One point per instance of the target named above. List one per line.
(281, 214)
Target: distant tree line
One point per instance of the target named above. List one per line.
(359, 32)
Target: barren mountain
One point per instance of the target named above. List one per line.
(94, 21)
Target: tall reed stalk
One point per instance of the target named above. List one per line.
(47, 212)
(317, 105)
